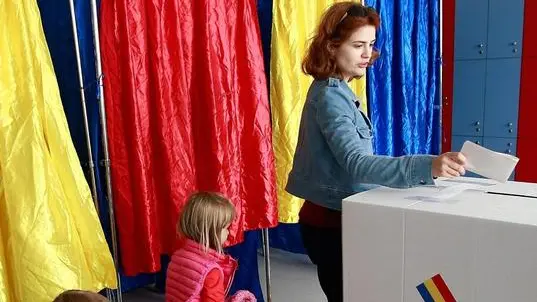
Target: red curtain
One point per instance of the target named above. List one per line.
(187, 106)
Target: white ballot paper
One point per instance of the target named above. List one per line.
(487, 163)
(448, 188)
(452, 191)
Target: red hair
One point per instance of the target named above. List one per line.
(336, 27)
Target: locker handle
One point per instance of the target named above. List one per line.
(481, 45)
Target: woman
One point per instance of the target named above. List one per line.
(334, 155)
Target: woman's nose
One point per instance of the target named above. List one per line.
(368, 50)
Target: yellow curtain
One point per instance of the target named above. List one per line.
(294, 23)
(50, 236)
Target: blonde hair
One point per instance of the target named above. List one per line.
(79, 296)
(204, 217)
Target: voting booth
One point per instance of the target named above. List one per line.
(410, 245)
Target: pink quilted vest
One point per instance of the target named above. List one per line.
(188, 268)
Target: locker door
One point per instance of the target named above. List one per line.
(505, 24)
(471, 29)
(502, 97)
(502, 145)
(457, 141)
(468, 97)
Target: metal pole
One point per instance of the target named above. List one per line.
(102, 111)
(93, 183)
(263, 242)
(266, 256)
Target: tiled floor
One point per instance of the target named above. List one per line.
(293, 276)
(294, 279)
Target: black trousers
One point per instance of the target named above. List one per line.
(323, 246)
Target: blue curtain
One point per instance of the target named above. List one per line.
(247, 276)
(403, 85)
(287, 237)
(264, 13)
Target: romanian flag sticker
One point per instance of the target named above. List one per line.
(435, 290)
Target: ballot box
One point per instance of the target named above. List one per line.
(407, 245)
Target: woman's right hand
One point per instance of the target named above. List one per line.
(449, 164)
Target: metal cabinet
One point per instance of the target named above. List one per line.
(487, 75)
(471, 17)
(502, 145)
(502, 91)
(488, 29)
(506, 20)
(468, 97)
(485, 97)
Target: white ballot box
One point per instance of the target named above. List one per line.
(480, 245)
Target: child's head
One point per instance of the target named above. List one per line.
(206, 218)
(79, 296)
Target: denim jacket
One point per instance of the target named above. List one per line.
(334, 154)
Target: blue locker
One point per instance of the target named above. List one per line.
(505, 25)
(471, 29)
(501, 97)
(468, 97)
(458, 141)
(502, 145)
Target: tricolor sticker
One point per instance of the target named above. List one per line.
(435, 290)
